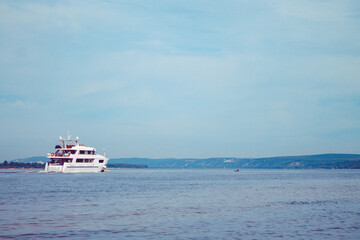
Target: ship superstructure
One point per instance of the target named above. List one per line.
(71, 156)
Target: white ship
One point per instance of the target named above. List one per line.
(75, 157)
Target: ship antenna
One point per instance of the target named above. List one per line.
(104, 152)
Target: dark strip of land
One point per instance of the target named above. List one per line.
(124, 165)
(13, 165)
(21, 165)
(328, 161)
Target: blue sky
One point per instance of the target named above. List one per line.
(180, 78)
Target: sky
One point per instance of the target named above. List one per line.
(199, 79)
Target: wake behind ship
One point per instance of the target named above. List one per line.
(75, 157)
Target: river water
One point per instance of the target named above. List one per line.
(181, 204)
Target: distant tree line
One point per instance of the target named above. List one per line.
(125, 165)
(335, 165)
(327, 161)
(7, 164)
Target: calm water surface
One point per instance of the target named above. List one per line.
(181, 204)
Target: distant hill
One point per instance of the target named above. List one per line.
(31, 159)
(337, 161)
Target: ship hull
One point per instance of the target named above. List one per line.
(74, 168)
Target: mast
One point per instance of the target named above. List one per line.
(69, 140)
(63, 141)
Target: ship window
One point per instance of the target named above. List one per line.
(79, 160)
(101, 161)
(82, 152)
(73, 151)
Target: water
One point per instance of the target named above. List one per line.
(181, 204)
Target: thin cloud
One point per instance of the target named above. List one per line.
(333, 11)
